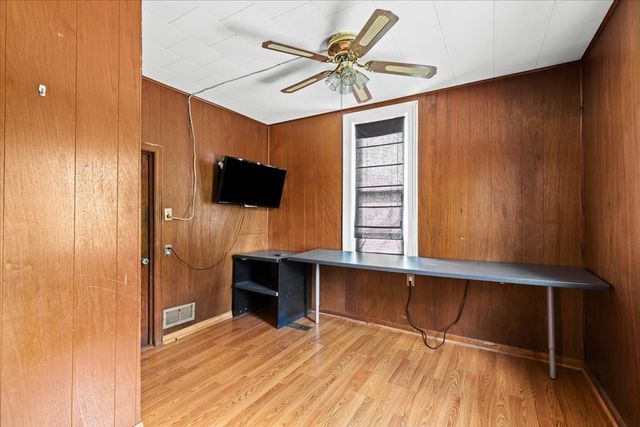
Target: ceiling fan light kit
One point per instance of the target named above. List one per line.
(345, 49)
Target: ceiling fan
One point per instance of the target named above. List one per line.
(345, 49)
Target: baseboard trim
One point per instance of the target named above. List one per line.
(175, 336)
(603, 398)
(567, 362)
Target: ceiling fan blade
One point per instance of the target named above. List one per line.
(402, 69)
(279, 47)
(306, 82)
(380, 22)
(361, 94)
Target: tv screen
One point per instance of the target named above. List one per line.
(248, 183)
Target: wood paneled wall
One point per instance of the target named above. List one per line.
(70, 293)
(611, 134)
(500, 175)
(206, 239)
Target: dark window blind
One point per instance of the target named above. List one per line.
(379, 186)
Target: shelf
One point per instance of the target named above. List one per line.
(250, 286)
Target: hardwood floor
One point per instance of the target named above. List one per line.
(245, 372)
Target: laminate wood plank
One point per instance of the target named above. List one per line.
(38, 246)
(127, 352)
(96, 176)
(346, 373)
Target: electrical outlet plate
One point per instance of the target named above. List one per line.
(168, 214)
(167, 250)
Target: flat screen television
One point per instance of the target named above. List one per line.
(247, 183)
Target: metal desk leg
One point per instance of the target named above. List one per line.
(317, 298)
(551, 331)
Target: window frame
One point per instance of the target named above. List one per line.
(408, 110)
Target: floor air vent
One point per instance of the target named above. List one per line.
(178, 315)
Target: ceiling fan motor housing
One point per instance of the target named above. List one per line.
(338, 46)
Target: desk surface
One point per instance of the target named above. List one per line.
(269, 255)
(521, 274)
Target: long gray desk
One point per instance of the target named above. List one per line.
(547, 276)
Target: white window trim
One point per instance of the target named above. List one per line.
(408, 110)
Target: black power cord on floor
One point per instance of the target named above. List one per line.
(423, 332)
(193, 267)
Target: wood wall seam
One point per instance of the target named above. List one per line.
(3, 84)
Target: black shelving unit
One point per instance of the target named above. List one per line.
(266, 281)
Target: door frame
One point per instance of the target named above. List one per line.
(156, 235)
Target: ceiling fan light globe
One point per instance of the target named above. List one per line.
(333, 82)
(361, 80)
(348, 76)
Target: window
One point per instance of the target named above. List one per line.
(380, 180)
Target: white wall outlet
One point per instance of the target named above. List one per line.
(168, 214)
(167, 250)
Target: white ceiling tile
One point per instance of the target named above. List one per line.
(276, 8)
(222, 69)
(202, 26)
(234, 104)
(253, 24)
(221, 10)
(393, 5)
(156, 55)
(195, 51)
(329, 7)
(426, 47)
(188, 70)
(220, 40)
(156, 73)
(468, 32)
(520, 29)
(240, 49)
(572, 26)
(303, 22)
(168, 10)
(158, 31)
(576, 11)
(353, 18)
